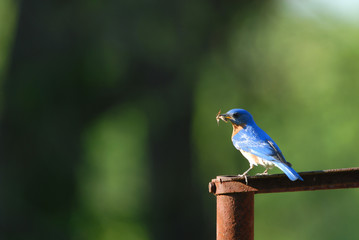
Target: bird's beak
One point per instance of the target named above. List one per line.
(223, 117)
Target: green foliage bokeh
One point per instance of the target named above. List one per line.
(296, 73)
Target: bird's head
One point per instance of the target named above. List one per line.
(236, 117)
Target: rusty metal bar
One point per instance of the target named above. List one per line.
(235, 216)
(235, 197)
(317, 180)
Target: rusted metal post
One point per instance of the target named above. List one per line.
(235, 198)
(235, 210)
(235, 216)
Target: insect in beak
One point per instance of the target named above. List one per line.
(222, 117)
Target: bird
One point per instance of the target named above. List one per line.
(255, 144)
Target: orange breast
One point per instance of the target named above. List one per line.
(236, 129)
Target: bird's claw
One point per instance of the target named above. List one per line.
(244, 176)
(263, 173)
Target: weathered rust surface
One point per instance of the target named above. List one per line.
(317, 180)
(235, 198)
(212, 187)
(235, 216)
(231, 187)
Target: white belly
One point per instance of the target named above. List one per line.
(255, 160)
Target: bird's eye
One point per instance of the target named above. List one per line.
(235, 115)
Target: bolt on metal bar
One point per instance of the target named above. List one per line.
(235, 198)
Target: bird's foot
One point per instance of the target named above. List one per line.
(244, 176)
(263, 173)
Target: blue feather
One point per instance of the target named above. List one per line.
(290, 172)
(254, 140)
(250, 138)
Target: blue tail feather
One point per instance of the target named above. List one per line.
(290, 172)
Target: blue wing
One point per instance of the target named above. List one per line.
(257, 142)
(254, 140)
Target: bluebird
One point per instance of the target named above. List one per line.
(256, 145)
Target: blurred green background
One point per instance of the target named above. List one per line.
(108, 111)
